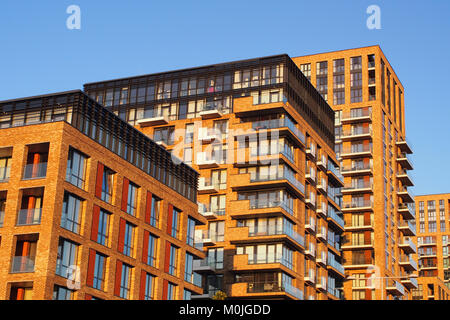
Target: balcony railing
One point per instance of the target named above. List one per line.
(279, 123)
(356, 168)
(259, 204)
(356, 115)
(35, 171)
(355, 186)
(29, 217)
(207, 211)
(335, 170)
(336, 265)
(281, 175)
(22, 264)
(358, 204)
(356, 132)
(272, 231)
(355, 150)
(333, 215)
(336, 293)
(274, 286)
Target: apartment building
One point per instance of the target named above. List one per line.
(91, 208)
(262, 139)
(362, 88)
(433, 240)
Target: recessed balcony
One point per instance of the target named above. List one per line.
(310, 250)
(356, 116)
(322, 284)
(322, 233)
(310, 277)
(322, 185)
(310, 224)
(357, 170)
(359, 151)
(358, 187)
(322, 208)
(322, 162)
(362, 205)
(355, 134)
(322, 259)
(366, 244)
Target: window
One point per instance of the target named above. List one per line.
(128, 244)
(164, 135)
(76, 168)
(355, 63)
(62, 293)
(189, 135)
(171, 291)
(215, 258)
(306, 70)
(107, 185)
(67, 258)
(175, 223)
(219, 179)
(132, 199)
(188, 268)
(125, 281)
(103, 227)
(187, 155)
(99, 271)
(217, 204)
(149, 289)
(173, 260)
(356, 95)
(5, 168)
(187, 295)
(190, 232)
(156, 207)
(338, 97)
(216, 230)
(71, 213)
(152, 250)
(338, 66)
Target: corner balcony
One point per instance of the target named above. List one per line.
(311, 175)
(396, 288)
(242, 262)
(205, 161)
(407, 211)
(407, 227)
(406, 195)
(357, 187)
(265, 290)
(310, 224)
(353, 134)
(243, 209)
(357, 170)
(404, 161)
(410, 283)
(404, 146)
(211, 111)
(281, 179)
(310, 200)
(157, 120)
(356, 117)
(355, 206)
(205, 186)
(408, 263)
(242, 235)
(357, 152)
(407, 245)
(405, 178)
(311, 151)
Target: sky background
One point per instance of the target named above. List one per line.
(39, 55)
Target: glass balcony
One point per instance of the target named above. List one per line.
(408, 245)
(271, 204)
(336, 293)
(156, 119)
(407, 210)
(358, 187)
(272, 231)
(358, 205)
(356, 133)
(408, 263)
(405, 161)
(336, 265)
(206, 186)
(274, 286)
(405, 194)
(407, 227)
(211, 110)
(28, 217)
(396, 288)
(208, 212)
(405, 146)
(335, 170)
(359, 169)
(284, 174)
(35, 171)
(277, 124)
(405, 178)
(332, 214)
(357, 151)
(360, 115)
(22, 264)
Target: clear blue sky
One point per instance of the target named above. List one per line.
(38, 54)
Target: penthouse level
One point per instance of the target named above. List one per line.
(169, 94)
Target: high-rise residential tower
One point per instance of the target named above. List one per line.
(368, 98)
(262, 139)
(91, 208)
(433, 241)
